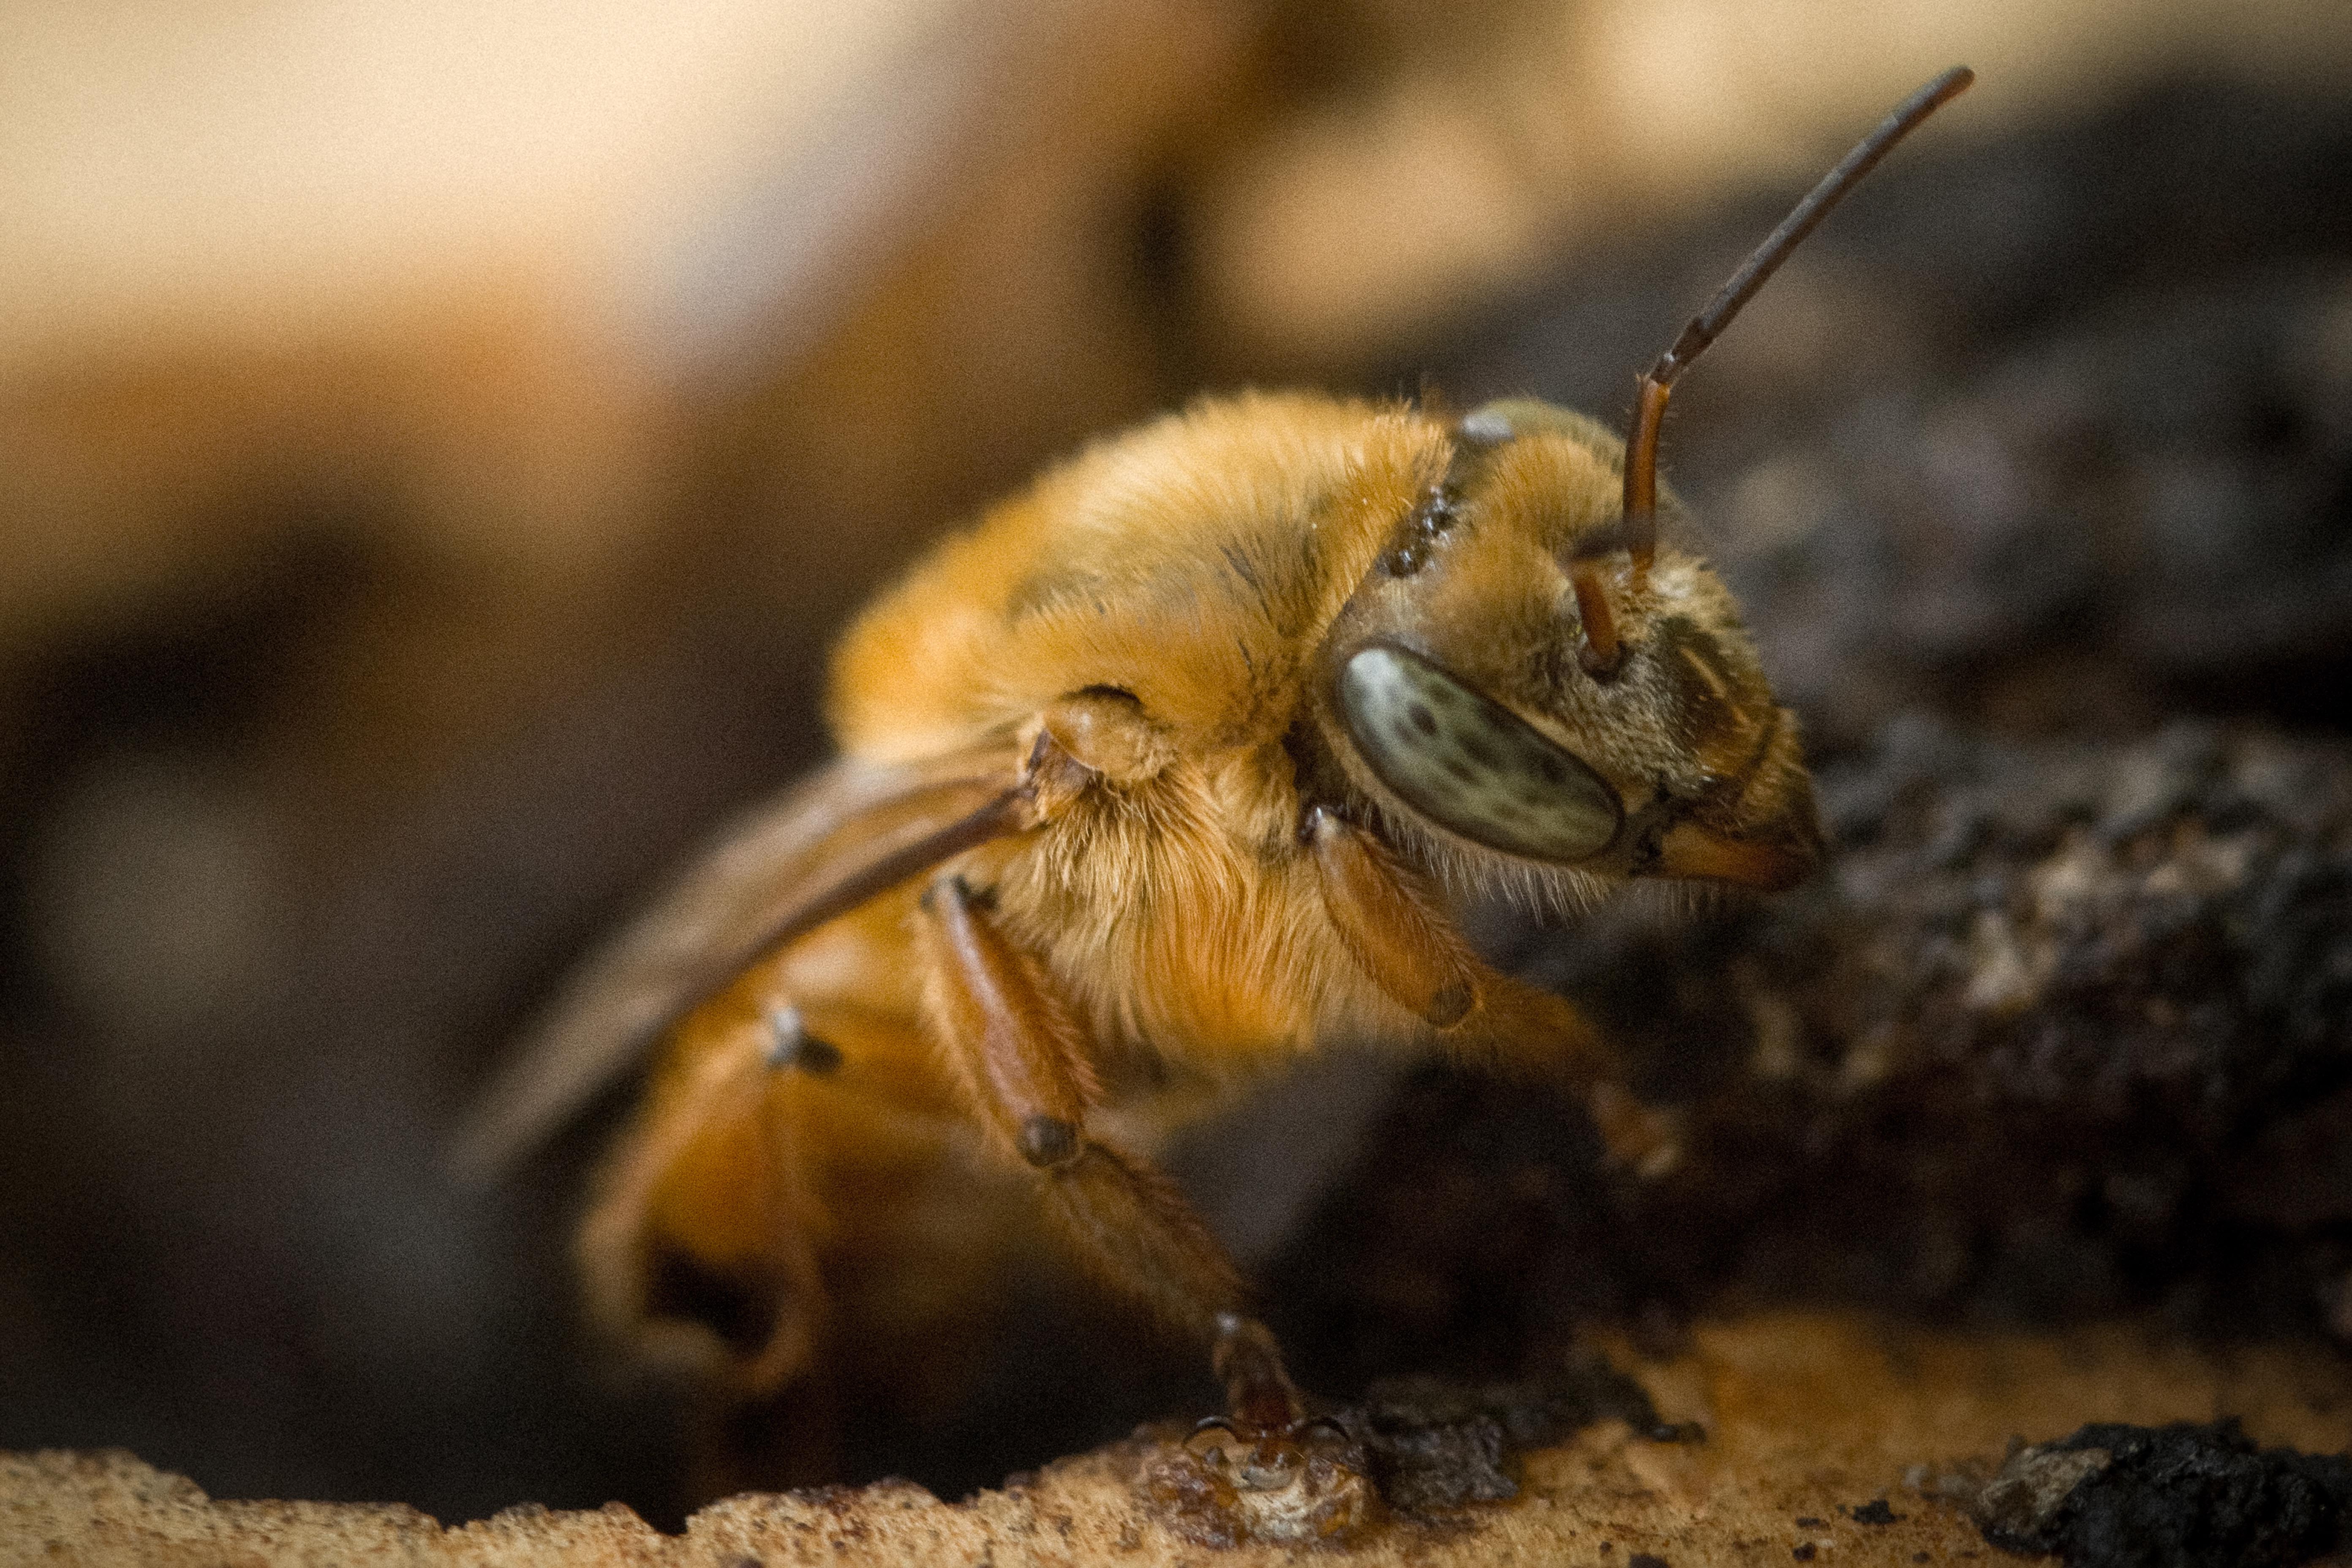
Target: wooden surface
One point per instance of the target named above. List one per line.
(1810, 1417)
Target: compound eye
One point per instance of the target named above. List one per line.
(1470, 764)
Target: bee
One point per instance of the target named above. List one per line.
(1169, 769)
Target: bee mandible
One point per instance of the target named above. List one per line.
(1168, 770)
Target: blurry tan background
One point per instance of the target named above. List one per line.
(437, 442)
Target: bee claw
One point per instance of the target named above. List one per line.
(1263, 1458)
(1298, 1480)
(1327, 1423)
(1212, 1454)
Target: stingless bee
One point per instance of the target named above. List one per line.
(1166, 770)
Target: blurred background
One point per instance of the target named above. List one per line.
(437, 443)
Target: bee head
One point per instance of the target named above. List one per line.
(1512, 676)
(1525, 672)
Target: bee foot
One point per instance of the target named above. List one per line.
(1249, 1364)
(1230, 1481)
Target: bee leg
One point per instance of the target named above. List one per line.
(1408, 948)
(1396, 934)
(1023, 1059)
(699, 1236)
(1259, 1391)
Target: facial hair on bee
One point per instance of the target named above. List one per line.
(1168, 769)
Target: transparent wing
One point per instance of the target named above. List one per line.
(830, 843)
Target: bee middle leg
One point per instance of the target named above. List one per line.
(1024, 1061)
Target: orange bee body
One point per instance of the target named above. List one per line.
(1150, 635)
(1167, 771)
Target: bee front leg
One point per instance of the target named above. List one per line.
(1023, 1062)
(1393, 927)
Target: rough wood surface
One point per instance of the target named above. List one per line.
(1812, 1419)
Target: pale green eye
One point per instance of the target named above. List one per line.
(1470, 764)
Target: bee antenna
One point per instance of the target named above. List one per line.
(1657, 385)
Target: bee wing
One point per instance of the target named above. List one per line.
(817, 851)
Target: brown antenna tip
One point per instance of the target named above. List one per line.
(1657, 383)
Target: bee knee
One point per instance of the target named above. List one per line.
(1047, 1141)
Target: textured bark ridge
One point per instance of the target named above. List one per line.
(2061, 1029)
(2182, 1496)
